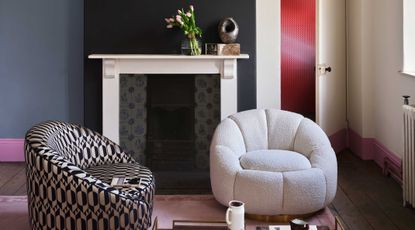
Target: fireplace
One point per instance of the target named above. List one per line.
(164, 109)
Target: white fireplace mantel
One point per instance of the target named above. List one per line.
(115, 64)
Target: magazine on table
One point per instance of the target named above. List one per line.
(282, 227)
(126, 182)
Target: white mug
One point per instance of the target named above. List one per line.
(235, 215)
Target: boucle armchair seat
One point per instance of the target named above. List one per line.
(275, 161)
(68, 170)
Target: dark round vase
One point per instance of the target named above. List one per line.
(228, 30)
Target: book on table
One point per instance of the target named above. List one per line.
(199, 225)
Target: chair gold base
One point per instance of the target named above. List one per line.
(278, 218)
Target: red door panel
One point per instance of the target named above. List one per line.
(298, 54)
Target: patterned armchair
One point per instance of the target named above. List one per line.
(69, 169)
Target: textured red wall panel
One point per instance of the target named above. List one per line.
(298, 53)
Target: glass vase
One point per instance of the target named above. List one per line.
(191, 46)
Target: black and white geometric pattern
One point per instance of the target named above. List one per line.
(62, 194)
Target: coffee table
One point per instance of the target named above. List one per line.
(218, 225)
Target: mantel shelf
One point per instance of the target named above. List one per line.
(166, 56)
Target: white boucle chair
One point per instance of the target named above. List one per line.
(277, 162)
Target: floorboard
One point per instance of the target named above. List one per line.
(8, 171)
(14, 184)
(365, 198)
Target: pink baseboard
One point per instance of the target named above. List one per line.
(372, 149)
(11, 150)
(381, 152)
(362, 147)
(339, 140)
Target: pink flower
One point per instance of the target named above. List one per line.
(191, 8)
(188, 14)
(169, 26)
(179, 11)
(167, 20)
(179, 19)
(171, 19)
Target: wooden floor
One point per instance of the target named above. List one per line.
(365, 198)
(12, 179)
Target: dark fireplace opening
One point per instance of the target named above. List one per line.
(170, 136)
(167, 123)
(170, 123)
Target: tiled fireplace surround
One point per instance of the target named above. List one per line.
(186, 107)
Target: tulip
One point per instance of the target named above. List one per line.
(179, 19)
(179, 11)
(188, 14)
(191, 8)
(171, 19)
(169, 26)
(167, 20)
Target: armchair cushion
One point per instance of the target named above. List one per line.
(274, 161)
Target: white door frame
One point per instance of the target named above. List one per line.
(268, 39)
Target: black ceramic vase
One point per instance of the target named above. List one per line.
(228, 30)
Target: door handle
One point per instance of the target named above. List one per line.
(323, 69)
(328, 69)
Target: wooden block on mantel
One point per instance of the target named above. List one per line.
(229, 49)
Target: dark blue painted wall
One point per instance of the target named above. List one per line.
(138, 26)
(41, 63)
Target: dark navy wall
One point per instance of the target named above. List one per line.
(137, 26)
(41, 63)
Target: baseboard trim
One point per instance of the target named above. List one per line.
(372, 149)
(11, 150)
(339, 140)
(362, 147)
(388, 161)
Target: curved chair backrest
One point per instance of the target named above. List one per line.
(74, 144)
(267, 129)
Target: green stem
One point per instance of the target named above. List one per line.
(194, 46)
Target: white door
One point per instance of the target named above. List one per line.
(331, 55)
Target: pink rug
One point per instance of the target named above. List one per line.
(13, 211)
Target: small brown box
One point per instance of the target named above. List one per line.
(229, 49)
